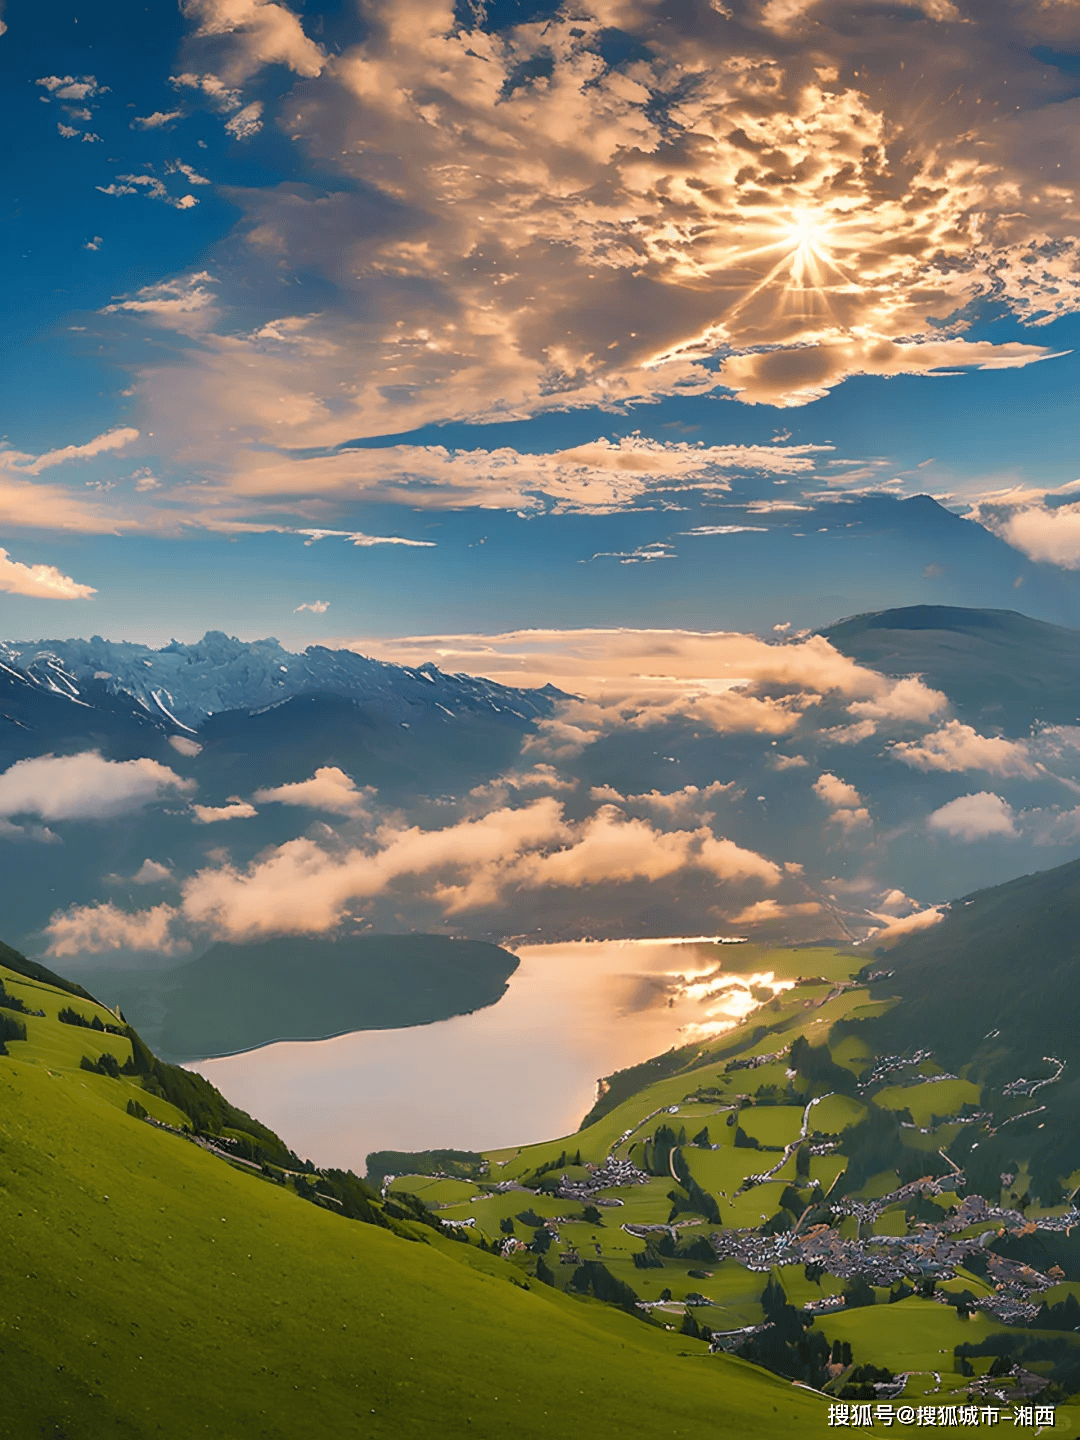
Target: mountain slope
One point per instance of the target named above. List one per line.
(151, 1289)
(1000, 669)
(1006, 958)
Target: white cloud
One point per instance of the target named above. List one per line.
(1041, 532)
(157, 121)
(72, 87)
(190, 174)
(671, 803)
(365, 541)
(117, 439)
(957, 747)
(600, 477)
(658, 666)
(843, 800)
(246, 122)
(762, 912)
(328, 789)
(42, 581)
(317, 607)
(975, 817)
(258, 33)
(220, 95)
(185, 304)
(151, 872)
(305, 887)
(94, 929)
(799, 375)
(85, 786)
(235, 809)
(184, 746)
(895, 930)
(150, 186)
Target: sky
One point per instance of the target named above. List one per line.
(357, 323)
(618, 344)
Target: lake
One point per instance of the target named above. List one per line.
(522, 1070)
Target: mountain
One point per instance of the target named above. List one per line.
(184, 684)
(1009, 951)
(237, 997)
(173, 1270)
(1001, 670)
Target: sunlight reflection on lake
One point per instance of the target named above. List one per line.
(522, 1070)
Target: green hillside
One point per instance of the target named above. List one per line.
(237, 997)
(153, 1288)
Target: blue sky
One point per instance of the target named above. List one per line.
(602, 313)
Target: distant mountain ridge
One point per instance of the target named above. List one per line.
(185, 684)
(999, 668)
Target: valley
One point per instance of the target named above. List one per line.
(789, 1193)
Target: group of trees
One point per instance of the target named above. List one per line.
(68, 1016)
(790, 1345)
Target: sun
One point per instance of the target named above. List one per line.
(808, 239)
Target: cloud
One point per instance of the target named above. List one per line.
(307, 887)
(601, 477)
(235, 809)
(958, 747)
(1044, 525)
(72, 87)
(150, 186)
(301, 888)
(727, 530)
(658, 666)
(789, 377)
(256, 33)
(788, 762)
(157, 121)
(844, 801)
(328, 789)
(896, 930)
(517, 221)
(317, 607)
(670, 802)
(185, 304)
(365, 541)
(246, 122)
(151, 872)
(183, 746)
(100, 445)
(761, 912)
(42, 581)
(221, 96)
(94, 929)
(974, 817)
(85, 786)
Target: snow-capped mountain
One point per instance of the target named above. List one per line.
(185, 684)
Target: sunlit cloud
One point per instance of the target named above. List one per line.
(975, 817)
(97, 929)
(85, 786)
(957, 747)
(44, 582)
(522, 226)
